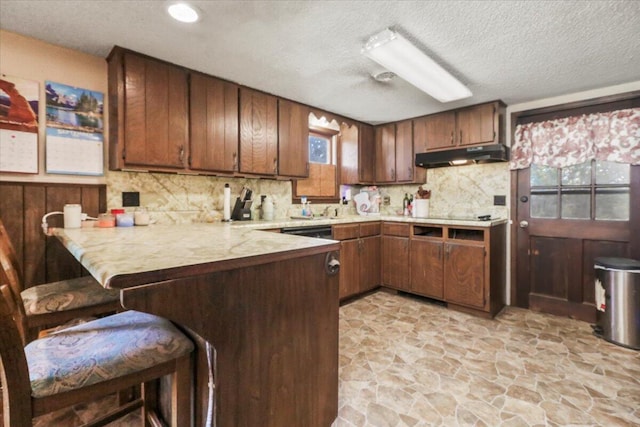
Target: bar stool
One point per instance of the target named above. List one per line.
(55, 303)
(92, 360)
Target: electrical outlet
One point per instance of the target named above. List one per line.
(130, 199)
(499, 200)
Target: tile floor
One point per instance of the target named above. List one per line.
(407, 362)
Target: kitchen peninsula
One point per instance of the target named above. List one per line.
(264, 302)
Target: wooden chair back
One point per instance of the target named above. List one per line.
(9, 260)
(14, 370)
(10, 277)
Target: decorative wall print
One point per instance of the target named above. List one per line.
(75, 142)
(18, 125)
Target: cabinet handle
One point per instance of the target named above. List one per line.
(182, 153)
(460, 142)
(360, 245)
(447, 251)
(409, 172)
(393, 174)
(451, 137)
(235, 161)
(275, 165)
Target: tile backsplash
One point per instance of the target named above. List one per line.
(172, 198)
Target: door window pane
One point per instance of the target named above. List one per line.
(612, 173)
(612, 204)
(543, 175)
(577, 175)
(576, 204)
(544, 205)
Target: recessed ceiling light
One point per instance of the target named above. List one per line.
(183, 12)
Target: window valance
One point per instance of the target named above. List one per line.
(612, 136)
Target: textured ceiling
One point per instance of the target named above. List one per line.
(309, 51)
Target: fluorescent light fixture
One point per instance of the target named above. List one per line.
(183, 12)
(397, 54)
(459, 162)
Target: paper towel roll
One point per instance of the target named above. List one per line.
(72, 216)
(226, 212)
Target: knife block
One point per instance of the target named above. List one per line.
(241, 210)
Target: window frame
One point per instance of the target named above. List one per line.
(333, 136)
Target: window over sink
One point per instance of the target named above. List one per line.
(322, 184)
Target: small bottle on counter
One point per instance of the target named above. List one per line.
(405, 205)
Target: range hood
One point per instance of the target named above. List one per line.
(463, 156)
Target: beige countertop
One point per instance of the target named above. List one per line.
(282, 223)
(124, 254)
(121, 256)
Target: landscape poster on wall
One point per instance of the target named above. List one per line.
(18, 125)
(74, 130)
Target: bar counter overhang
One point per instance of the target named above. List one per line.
(263, 301)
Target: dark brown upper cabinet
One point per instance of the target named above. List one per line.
(385, 136)
(293, 139)
(258, 133)
(349, 153)
(213, 124)
(404, 151)
(476, 125)
(366, 154)
(435, 132)
(394, 153)
(148, 109)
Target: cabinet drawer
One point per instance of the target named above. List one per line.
(369, 229)
(345, 231)
(393, 229)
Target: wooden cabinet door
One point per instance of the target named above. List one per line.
(369, 263)
(349, 268)
(464, 274)
(427, 268)
(404, 151)
(477, 125)
(385, 170)
(435, 132)
(349, 153)
(213, 124)
(395, 262)
(155, 113)
(293, 139)
(258, 133)
(366, 155)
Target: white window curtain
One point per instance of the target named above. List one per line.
(612, 136)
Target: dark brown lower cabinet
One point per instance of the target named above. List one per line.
(359, 257)
(395, 256)
(463, 266)
(464, 275)
(427, 274)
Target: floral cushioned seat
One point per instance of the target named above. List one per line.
(101, 350)
(66, 295)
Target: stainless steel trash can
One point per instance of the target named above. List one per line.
(617, 288)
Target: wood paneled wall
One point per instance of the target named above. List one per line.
(22, 205)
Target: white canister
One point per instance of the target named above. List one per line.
(421, 208)
(72, 216)
(267, 209)
(141, 217)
